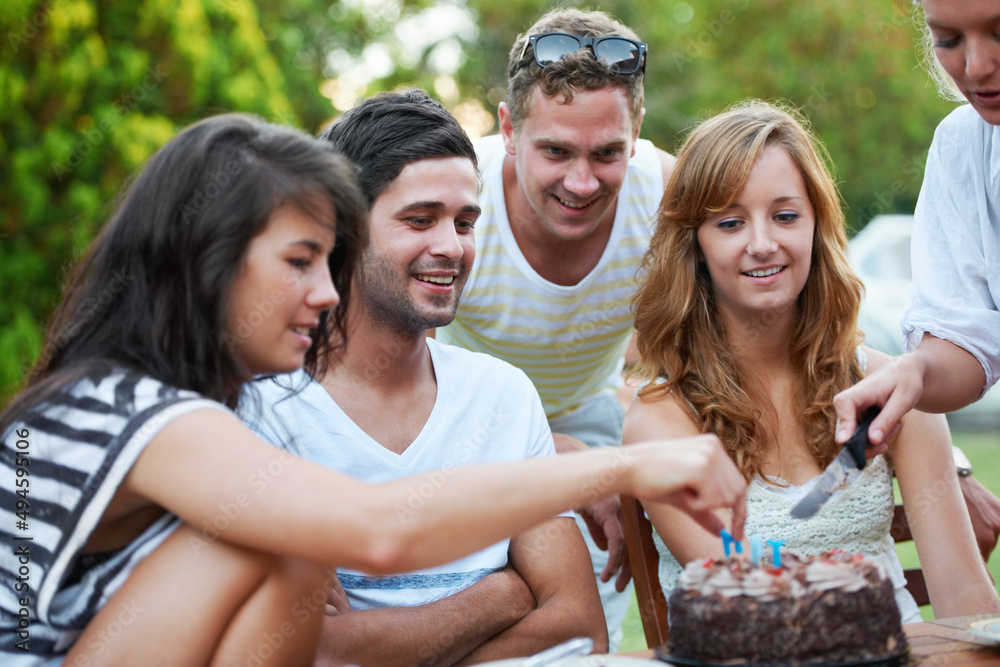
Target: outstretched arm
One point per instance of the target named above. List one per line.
(554, 562)
(438, 633)
(208, 469)
(603, 517)
(957, 580)
(687, 537)
(937, 376)
(254, 515)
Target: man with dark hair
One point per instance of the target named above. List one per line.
(569, 196)
(394, 402)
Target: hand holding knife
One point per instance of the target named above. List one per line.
(851, 457)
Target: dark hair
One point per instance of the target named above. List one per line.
(152, 292)
(383, 134)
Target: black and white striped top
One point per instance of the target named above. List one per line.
(60, 466)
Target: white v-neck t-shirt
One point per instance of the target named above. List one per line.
(486, 411)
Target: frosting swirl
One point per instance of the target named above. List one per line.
(798, 575)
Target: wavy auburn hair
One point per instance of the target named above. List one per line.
(681, 336)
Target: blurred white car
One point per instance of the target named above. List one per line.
(880, 255)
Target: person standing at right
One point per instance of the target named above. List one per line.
(569, 195)
(952, 327)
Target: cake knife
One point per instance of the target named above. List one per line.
(850, 458)
(550, 656)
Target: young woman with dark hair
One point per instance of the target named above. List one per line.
(144, 523)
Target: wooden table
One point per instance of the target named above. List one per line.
(945, 642)
(938, 644)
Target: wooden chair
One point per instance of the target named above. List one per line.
(915, 583)
(645, 562)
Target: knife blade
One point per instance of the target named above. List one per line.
(850, 458)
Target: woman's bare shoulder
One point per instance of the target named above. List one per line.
(658, 415)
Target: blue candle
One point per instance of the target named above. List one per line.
(727, 540)
(776, 551)
(756, 544)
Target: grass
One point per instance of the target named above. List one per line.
(983, 450)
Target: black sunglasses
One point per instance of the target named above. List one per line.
(620, 54)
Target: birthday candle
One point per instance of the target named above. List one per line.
(776, 551)
(727, 540)
(756, 546)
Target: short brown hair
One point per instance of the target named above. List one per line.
(577, 71)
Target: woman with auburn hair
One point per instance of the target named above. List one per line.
(746, 328)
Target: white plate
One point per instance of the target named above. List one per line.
(585, 661)
(987, 628)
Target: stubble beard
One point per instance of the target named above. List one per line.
(383, 294)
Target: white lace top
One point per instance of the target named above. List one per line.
(856, 519)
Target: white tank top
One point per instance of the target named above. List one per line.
(568, 339)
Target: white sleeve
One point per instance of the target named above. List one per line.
(257, 409)
(541, 435)
(541, 440)
(951, 296)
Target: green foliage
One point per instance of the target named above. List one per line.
(90, 88)
(850, 67)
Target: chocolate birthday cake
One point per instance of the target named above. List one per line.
(830, 608)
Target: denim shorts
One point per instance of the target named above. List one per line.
(597, 423)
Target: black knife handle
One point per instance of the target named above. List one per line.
(859, 441)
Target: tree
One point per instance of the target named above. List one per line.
(90, 88)
(850, 66)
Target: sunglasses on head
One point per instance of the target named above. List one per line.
(620, 54)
